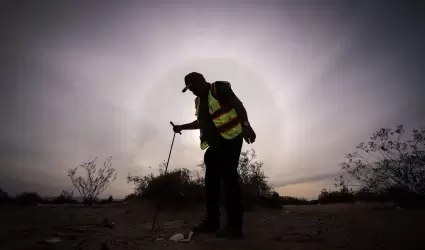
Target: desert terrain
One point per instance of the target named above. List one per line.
(338, 226)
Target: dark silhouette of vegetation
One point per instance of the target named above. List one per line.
(255, 189)
(328, 196)
(336, 196)
(96, 180)
(288, 200)
(386, 161)
(4, 197)
(65, 198)
(131, 197)
(32, 198)
(405, 197)
(178, 187)
(183, 187)
(252, 175)
(89, 187)
(268, 200)
(387, 168)
(110, 200)
(29, 198)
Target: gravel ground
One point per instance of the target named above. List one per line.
(342, 226)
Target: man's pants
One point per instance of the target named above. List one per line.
(221, 166)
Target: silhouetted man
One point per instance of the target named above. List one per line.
(223, 123)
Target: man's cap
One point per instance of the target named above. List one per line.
(187, 87)
(190, 78)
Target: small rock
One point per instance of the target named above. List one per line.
(189, 237)
(177, 237)
(53, 240)
(108, 223)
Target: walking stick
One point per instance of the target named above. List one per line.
(166, 168)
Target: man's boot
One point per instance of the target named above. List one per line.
(230, 232)
(207, 226)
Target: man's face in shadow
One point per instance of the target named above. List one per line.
(196, 87)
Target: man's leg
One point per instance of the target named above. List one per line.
(212, 193)
(233, 200)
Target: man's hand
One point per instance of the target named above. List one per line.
(177, 128)
(188, 126)
(248, 134)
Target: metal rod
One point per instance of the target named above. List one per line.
(166, 169)
(172, 143)
(154, 218)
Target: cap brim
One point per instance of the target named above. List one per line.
(187, 87)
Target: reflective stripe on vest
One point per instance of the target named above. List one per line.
(224, 118)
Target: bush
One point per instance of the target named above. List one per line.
(370, 196)
(131, 197)
(96, 179)
(107, 201)
(313, 202)
(327, 196)
(175, 188)
(252, 176)
(272, 201)
(91, 201)
(387, 160)
(403, 197)
(287, 200)
(65, 198)
(4, 197)
(182, 187)
(29, 198)
(251, 198)
(386, 168)
(248, 197)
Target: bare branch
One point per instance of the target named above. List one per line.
(97, 179)
(398, 162)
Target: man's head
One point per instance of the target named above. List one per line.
(196, 83)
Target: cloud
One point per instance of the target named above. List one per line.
(309, 190)
(80, 81)
(307, 179)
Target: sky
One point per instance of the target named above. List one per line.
(86, 79)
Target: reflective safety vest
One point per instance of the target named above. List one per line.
(224, 117)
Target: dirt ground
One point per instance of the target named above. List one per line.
(340, 226)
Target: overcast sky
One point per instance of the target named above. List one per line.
(86, 79)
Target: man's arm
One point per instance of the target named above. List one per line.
(187, 126)
(239, 108)
(227, 96)
(190, 126)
